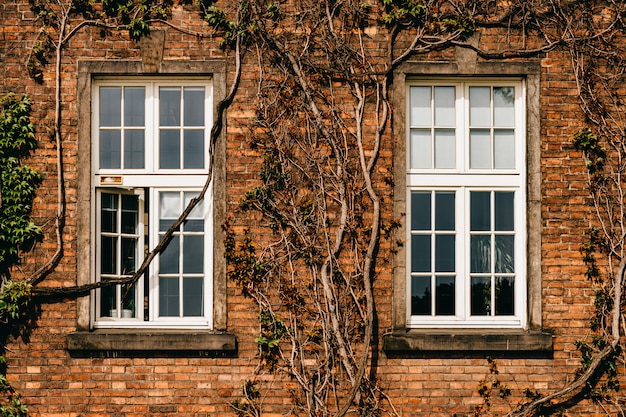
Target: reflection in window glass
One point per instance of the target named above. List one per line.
(420, 296)
(504, 106)
(445, 296)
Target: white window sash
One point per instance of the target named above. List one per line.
(463, 180)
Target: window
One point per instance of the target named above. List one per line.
(466, 204)
(150, 145)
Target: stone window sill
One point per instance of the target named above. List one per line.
(468, 343)
(151, 342)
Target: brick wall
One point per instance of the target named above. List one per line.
(55, 384)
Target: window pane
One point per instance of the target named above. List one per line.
(129, 255)
(169, 297)
(197, 212)
(444, 211)
(169, 106)
(480, 303)
(421, 149)
(420, 296)
(107, 302)
(169, 149)
(420, 211)
(130, 213)
(169, 205)
(444, 296)
(444, 253)
(193, 255)
(480, 106)
(420, 253)
(505, 215)
(505, 296)
(504, 149)
(504, 106)
(194, 106)
(444, 148)
(480, 210)
(134, 108)
(192, 297)
(480, 149)
(108, 213)
(420, 106)
(505, 254)
(110, 149)
(194, 149)
(108, 254)
(134, 149)
(169, 260)
(110, 106)
(444, 106)
(128, 303)
(480, 254)
(193, 226)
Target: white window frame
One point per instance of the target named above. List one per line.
(151, 180)
(462, 180)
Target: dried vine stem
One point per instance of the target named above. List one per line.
(216, 131)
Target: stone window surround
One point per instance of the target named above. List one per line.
(88, 341)
(532, 341)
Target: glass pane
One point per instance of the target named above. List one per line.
(420, 253)
(108, 255)
(197, 212)
(130, 213)
(444, 211)
(169, 149)
(129, 255)
(421, 149)
(505, 254)
(505, 296)
(420, 106)
(193, 149)
(134, 109)
(108, 213)
(444, 296)
(110, 149)
(193, 255)
(169, 297)
(194, 226)
(169, 106)
(480, 210)
(480, 254)
(194, 106)
(110, 106)
(480, 149)
(444, 148)
(169, 260)
(505, 215)
(421, 296)
(165, 224)
(134, 149)
(420, 211)
(504, 149)
(169, 205)
(444, 253)
(444, 106)
(504, 106)
(480, 106)
(128, 303)
(480, 303)
(192, 297)
(107, 302)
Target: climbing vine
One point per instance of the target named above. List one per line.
(322, 120)
(18, 233)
